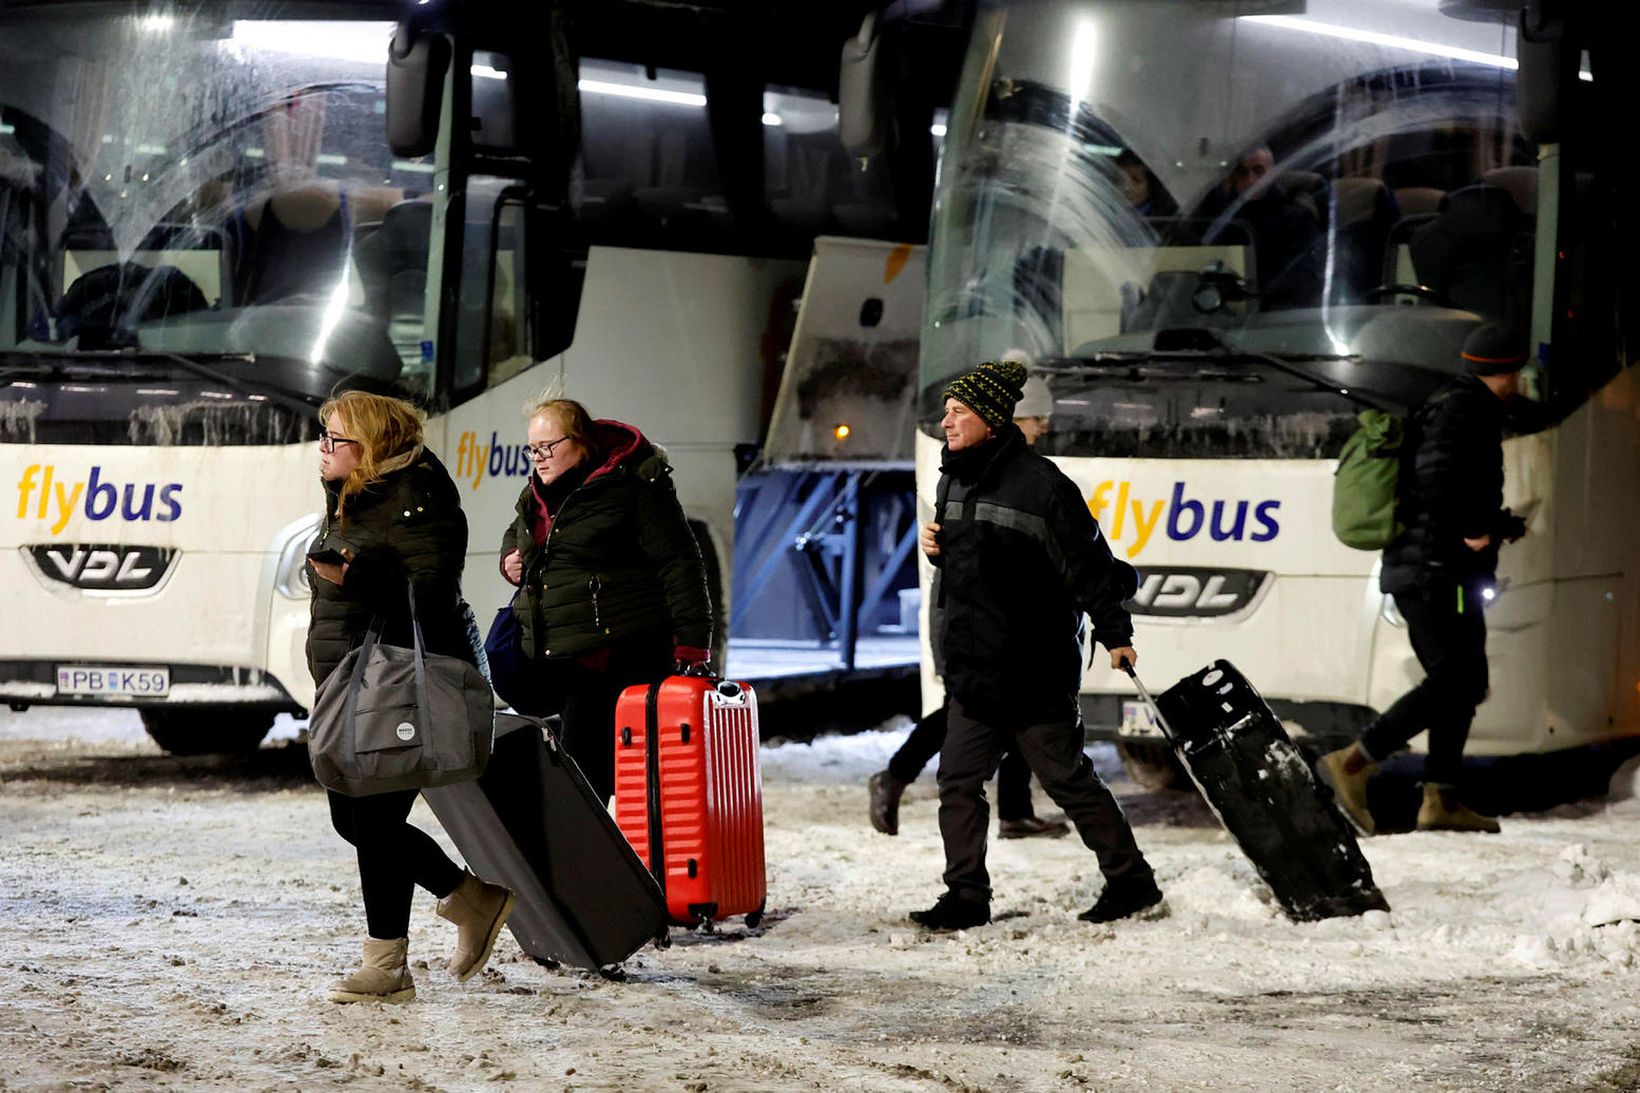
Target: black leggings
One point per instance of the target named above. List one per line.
(393, 857)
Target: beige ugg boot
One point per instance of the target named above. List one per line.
(382, 977)
(479, 910)
(1442, 811)
(1347, 771)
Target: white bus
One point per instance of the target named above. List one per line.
(1222, 227)
(205, 228)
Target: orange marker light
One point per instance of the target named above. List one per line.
(841, 432)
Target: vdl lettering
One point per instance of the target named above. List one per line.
(58, 500)
(1185, 518)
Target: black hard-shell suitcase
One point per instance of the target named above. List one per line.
(1259, 786)
(534, 824)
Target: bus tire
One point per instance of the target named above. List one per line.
(1152, 765)
(208, 730)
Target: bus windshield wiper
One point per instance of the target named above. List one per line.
(297, 402)
(1203, 347)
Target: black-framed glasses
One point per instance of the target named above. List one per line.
(327, 443)
(540, 453)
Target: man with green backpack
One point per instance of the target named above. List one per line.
(1431, 496)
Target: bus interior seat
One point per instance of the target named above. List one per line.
(1520, 181)
(1363, 215)
(1308, 190)
(392, 264)
(295, 244)
(1419, 200)
(1477, 251)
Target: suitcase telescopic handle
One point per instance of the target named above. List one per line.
(1144, 693)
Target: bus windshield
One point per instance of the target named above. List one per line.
(177, 181)
(1121, 176)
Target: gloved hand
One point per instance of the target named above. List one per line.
(1510, 527)
(689, 660)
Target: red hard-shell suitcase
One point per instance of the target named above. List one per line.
(689, 794)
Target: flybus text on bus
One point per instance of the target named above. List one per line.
(60, 499)
(1185, 517)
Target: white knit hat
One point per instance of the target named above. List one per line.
(1037, 399)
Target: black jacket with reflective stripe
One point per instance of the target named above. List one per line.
(1451, 489)
(1021, 560)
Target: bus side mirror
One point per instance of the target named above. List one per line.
(416, 66)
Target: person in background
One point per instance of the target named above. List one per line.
(612, 591)
(1441, 569)
(1016, 815)
(1020, 559)
(393, 522)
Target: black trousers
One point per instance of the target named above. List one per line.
(1449, 637)
(925, 741)
(394, 857)
(1054, 751)
(585, 699)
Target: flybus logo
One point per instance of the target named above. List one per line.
(476, 460)
(1125, 516)
(44, 495)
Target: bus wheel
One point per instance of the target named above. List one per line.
(208, 730)
(1152, 766)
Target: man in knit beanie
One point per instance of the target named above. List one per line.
(1016, 813)
(1440, 570)
(1019, 560)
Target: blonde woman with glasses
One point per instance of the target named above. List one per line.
(393, 521)
(612, 591)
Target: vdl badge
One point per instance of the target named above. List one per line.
(112, 681)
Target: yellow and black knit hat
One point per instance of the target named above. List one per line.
(991, 390)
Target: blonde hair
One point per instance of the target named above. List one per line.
(389, 434)
(571, 417)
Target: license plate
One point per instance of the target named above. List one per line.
(1138, 719)
(112, 681)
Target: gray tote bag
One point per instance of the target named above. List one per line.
(390, 718)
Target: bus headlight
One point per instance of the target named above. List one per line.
(290, 579)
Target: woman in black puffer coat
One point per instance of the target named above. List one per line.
(393, 522)
(612, 591)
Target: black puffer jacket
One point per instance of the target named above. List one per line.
(1021, 559)
(619, 558)
(1451, 489)
(408, 527)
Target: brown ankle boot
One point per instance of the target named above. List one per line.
(479, 910)
(1346, 771)
(382, 977)
(1442, 811)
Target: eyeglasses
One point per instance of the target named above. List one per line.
(540, 453)
(327, 443)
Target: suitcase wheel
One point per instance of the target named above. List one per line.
(663, 940)
(754, 919)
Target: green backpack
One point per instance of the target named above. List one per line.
(1364, 486)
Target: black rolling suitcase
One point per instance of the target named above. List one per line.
(1259, 786)
(532, 823)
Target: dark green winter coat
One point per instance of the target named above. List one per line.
(407, 528)
(615, 559)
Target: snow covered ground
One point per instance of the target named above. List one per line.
(171, 923)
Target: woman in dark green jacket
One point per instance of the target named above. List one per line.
(393, 522)
(611, 587)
